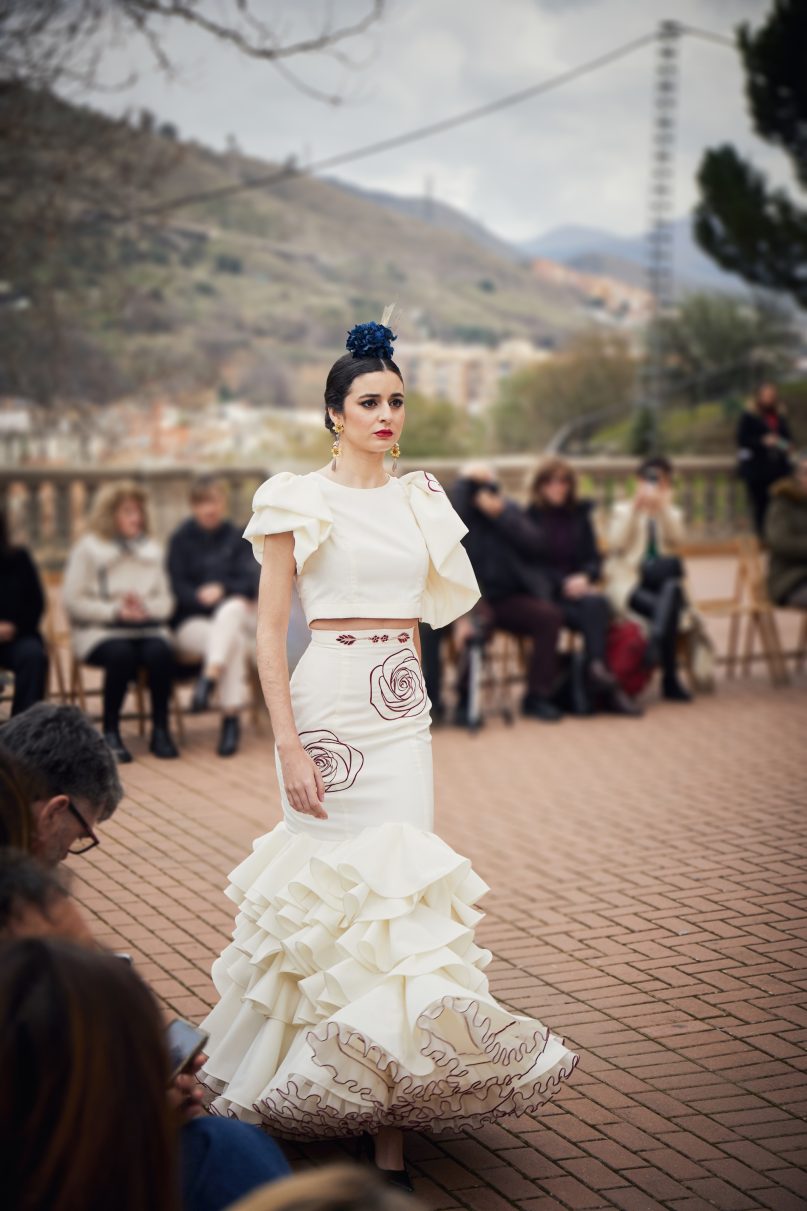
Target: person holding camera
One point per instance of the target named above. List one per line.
(503, 545)
(643, 572)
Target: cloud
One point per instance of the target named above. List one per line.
(577, 155)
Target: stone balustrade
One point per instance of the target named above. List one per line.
(48, 507)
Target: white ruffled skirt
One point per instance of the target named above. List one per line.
(353, 995)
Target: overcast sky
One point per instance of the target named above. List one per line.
(578, 155)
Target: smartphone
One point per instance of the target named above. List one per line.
(652, 476)
(185, 1041)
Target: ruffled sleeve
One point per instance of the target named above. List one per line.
(451, 588)
(288, 502)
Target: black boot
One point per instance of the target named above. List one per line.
(116, 746)
(202, 692)
(673, 690)
(229, 736)
(536, 707)
(161, 743)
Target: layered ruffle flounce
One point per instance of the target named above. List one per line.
(353, 994)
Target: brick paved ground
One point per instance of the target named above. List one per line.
(649, 901)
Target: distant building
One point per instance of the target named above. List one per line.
(605, 298)
(467, 375)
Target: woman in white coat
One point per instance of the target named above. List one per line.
(118, 601)
(643, 571)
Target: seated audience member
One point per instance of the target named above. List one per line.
(643, 573)
(786, 535)
(89, 1116)
(22, 604)
(502, 545)
(68, 777)
(118, 600)
(36, 903)
(571, 563)
(331, 1188)
(214, 578)
(85, 1124)
(764, 446)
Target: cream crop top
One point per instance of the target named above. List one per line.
(388, 552)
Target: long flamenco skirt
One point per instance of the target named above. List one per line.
(352, 995)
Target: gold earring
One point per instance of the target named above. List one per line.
(335, 449)
(396, 454)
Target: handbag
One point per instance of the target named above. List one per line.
(625, 650)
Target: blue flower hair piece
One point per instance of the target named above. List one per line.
(371, 340)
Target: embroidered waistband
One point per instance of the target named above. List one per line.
(348, 639)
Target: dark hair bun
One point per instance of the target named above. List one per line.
(371, 340)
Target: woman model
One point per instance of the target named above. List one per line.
(352, 996)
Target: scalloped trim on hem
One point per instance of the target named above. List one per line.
(305, 1108)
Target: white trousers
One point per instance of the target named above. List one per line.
(225, 640)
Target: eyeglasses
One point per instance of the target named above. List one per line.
(89, 840)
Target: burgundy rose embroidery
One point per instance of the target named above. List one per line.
(384, 638)
(396, 686)
(432, 482)
(403, 637)
(338, 762)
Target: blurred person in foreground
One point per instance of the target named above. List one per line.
(570, 560)
(764, 446)
(58, 782)
(118, 601)
(503, 545)
(91, 1116)
(214, 579)
(331, 1188)
(643, 572)
(786, 537)
(22, 604)
(35, 902)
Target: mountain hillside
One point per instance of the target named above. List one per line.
(593, 250)
(253, 292)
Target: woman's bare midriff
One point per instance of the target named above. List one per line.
(360, 624)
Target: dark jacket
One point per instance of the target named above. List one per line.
(758, 462)
(786, 538)
(21, 598)
(503, 550)
(568, 542)
(197, 557)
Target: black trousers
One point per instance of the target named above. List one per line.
(430, 640)
(759, 495)
(28, 661)
(590, 617)
(663, 607)
(521, 614)
(121, 658)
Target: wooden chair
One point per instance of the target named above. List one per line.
(761, 616)
(734, 607)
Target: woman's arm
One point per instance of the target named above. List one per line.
(80, 590)
(622, 528)
(302, 780)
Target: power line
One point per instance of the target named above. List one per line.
(401, 140)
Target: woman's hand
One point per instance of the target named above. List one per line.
(303, 783)
(131, 609)
(576, 586)
(8, 632)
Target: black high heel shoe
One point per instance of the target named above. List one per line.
(365, 1150)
